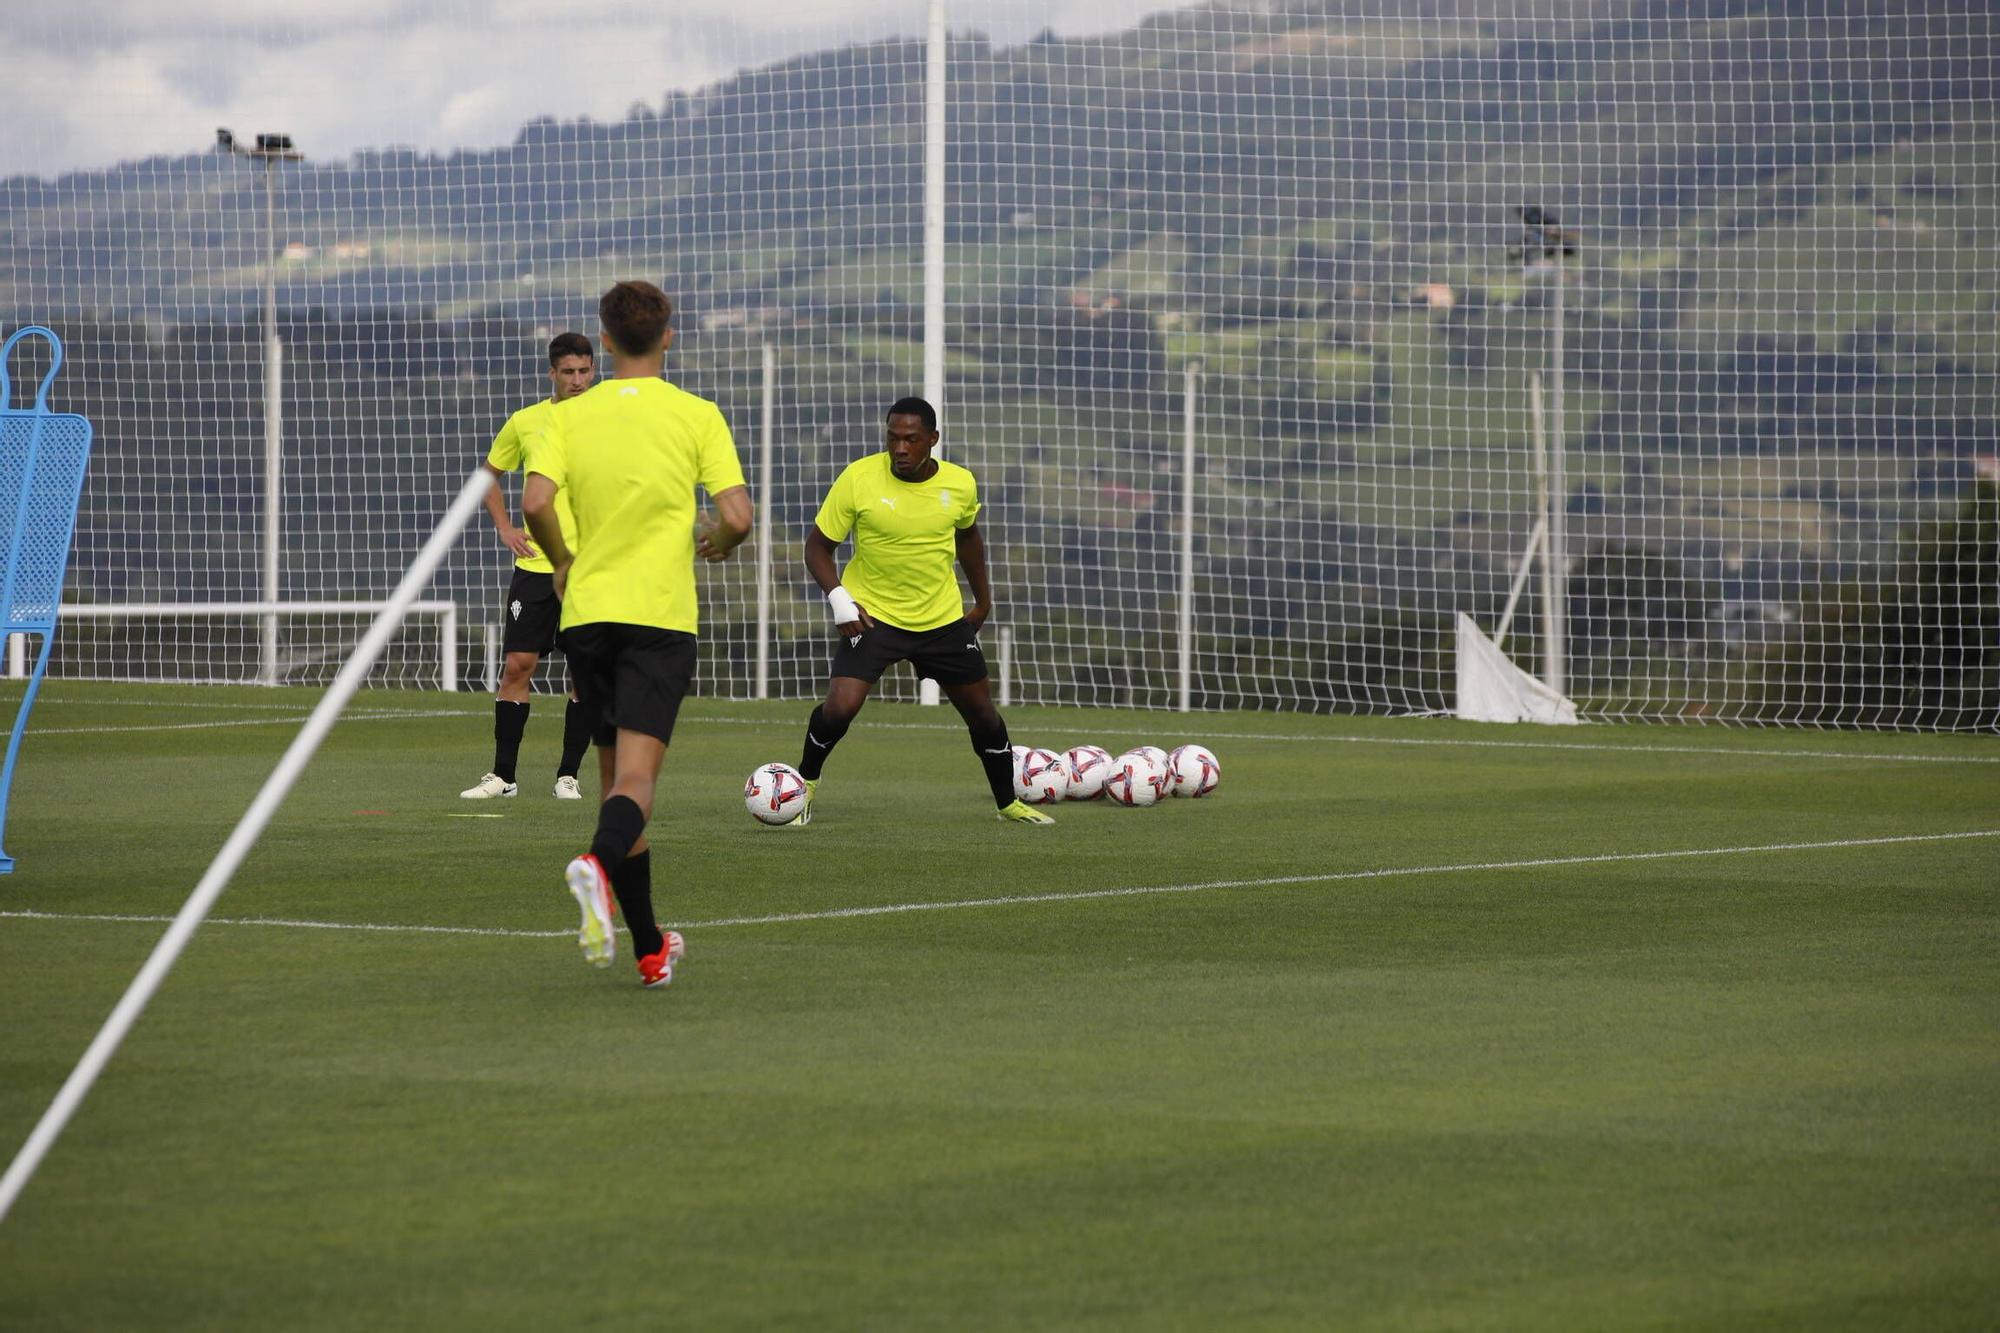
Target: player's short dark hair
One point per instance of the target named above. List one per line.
(915, 407)
(568, 344)
(635, 316)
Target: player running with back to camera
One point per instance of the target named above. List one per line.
(912, 515)
(629, 454)
(533, 609)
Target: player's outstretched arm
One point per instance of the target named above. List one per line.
(819, 564)
(734, 515)
(972, 558)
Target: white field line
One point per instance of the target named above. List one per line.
(292, 719)
(166, 705)
(365, 926)
(1138, 729)
(1085, 895)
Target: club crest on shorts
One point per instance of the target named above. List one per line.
(514, 608)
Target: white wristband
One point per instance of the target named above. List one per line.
(841, 603)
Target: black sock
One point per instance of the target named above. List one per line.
(996, 756)
(509, 721)
(619, 825)
(632, 881)
(821, 737)
(576, 738)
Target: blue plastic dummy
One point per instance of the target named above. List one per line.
(43, 456)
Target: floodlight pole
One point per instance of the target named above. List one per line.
(934, 127)
(274, 420)
(270, 150)
(1555, 639)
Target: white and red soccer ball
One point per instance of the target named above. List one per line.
(1041, 777)
(775, 794)
(1089, 766)
(1194, 769)
(1136, 780)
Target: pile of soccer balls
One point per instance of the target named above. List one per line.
(775, 793)
(1140, 777)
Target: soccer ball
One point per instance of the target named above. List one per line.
(1195, 770)
(1135, 780)
(1162, 771)
(1089, 766)
(1041, 777)
(775, 794)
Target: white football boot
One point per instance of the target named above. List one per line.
(591, 888)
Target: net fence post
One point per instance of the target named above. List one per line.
(1555, 645)
(764, 466)
(448, 657)
(1544, 523)
(935, 54)
(248, 829)
(1190, 387)
(274, 488)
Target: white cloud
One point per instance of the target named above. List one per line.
(93, 82)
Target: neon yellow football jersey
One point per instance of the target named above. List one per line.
(905, 539)
(629, 454)
(505, 456)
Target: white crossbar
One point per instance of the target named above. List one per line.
(445, 611)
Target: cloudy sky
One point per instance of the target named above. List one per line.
(93, 82)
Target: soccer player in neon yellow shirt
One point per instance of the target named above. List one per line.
(629, 454)
(911, 516)
(533, 609)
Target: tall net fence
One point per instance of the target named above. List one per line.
(1327, 250)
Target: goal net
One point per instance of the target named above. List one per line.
(1318, 247)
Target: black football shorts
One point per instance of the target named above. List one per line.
(533, 613)
(630, 676)
(948, 655)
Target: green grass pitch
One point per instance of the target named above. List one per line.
(1443, 1027)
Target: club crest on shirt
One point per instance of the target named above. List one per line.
(944, 497)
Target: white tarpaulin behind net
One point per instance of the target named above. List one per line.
(1492, 689)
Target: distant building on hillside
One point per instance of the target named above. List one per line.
(745, 317)
(1436, 295)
